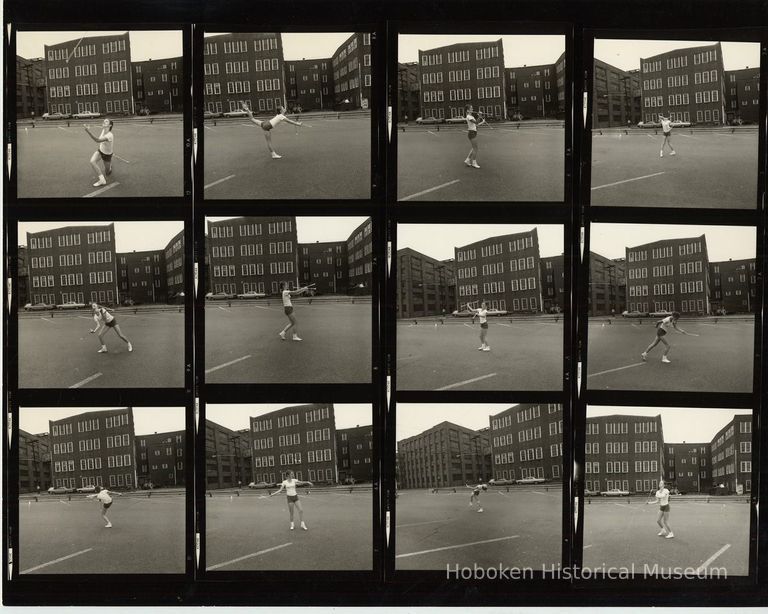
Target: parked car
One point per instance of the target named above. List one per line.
(87, 489)
(251, 295)
(260, 485)
(463, 313)
(517, 117)
(219, 296)
(70, 305)
(591, 493)
(60, 490)
(680, 124)
(649, 124)
(235, 114)
(212, 114)
(39, 307)
(615, 492)
(56, 116)
(455, 120)
(661, 313)
(496, 312)
(426, 121)
(632, 314)
(531, 481)
(501, 482)
(86, 115)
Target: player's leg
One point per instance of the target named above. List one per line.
(669, 142)
(659, 522)
(104, 516)
(471, 499)
(479, 505)
(653, 344)
(290, 512)
(100, 334)
(268, 137)
(123, 337)
(94, 161)
(291, 324)
(668, 346)
(301, 515)
(484, 336)
(295, 325)
(665, 520)
(475, 148)
(107, 166)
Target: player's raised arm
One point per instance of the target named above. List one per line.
(279, 490)
(97, 139)
(305, 483)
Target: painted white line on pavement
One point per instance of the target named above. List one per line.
(102, 190)
(637, 364)
(248, 556)
(432, 133)
(47, 320)
(416, 524)
(608, 185)
(467, 325)
(467, 381)
(485, 541)
(87, 380)
(227, 364)
(218, 181)
(428, 190)
(59, 560)
(585, 547)
(507, 325)
(711, 559)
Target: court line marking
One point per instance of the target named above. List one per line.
(87, 380)
(608, 185)
(467, 325)
(101, 190)
(247, 556)
(227, 364)
(620, 504)
(711, 559)
(46, 319)
(62, 128)
(545, 494)
(485, 541)
(585, 547)
(432, 133)
(406, 358)
(428, 190)
(416, 524)
(131, 315)
(501, 324)
(54, 561)
(222, 308)
(466, 381)
(637, 364)
(218, 181)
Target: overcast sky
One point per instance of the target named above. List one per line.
(626, 54)
(235, 416)
(146, 420)
(519, 50)
(129, 236)
(692, 425)
(311, 229)
(308, 45)
(145, 45)
(723, 242)
(415, 418)
(438, 240)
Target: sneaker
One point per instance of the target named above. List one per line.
(108, 525)
(480, 510)
(665, 359)
(101, 181)
(291, 526)
(276, 156)
(482, 347)
(674, 153)
(661, 154)
(644, 356)
(468, 162)
(297, 338)
(103, 350)
(281, 334)
(670, 535)
(303, 526)
(662, 532)
(130, 347)
(487, 348)
(475, 164)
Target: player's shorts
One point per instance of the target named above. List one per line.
(288, 310)
(664, 508)
(111, 323)
(266, 126)
(293, 498)
(668, 133)
(105, 157)
(476, 493)
(484, 325)
(472, 134)
(107, 505)
(660, 332)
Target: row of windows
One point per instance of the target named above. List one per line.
(224, 232)
(623, 467)
(241, 46)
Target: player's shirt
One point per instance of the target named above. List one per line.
(483, 315)
(471, 123)
(104, 315)
(107, 147)
(277, 119)
(104, 497)
(666, 125)
(663, 496)
(290, 487)
(287, 298)
(667, 323)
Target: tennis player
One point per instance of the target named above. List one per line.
(104, 322)
(104, 496)
(482, 314)
(289, 485)
(666, 127)
(475, 496)
(106, 141)
(471, 159)
(268, 124)
(288, 308)
(662, 496)
(662, 328)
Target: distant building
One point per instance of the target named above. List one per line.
(142, 277)
(688, 467)
(616, 98)
(445, 455)
(174, 266)
(532, 91)
(352, 72)
(22, 268)
(742, 95)
(408, 91)
(354, 451)
(309, 84)
(325, 265)
(161, 459)
(734, 285)
(553, 283)
(360, 259)
(426, 286)
(731, 450)
(30, 87)
(606, 291)
(34, 462)
(157, 85)
(227, 457)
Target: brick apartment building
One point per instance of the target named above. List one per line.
(73, 264)
(360, 259)
(309, 84)
(625, 452)
(157, 85)
(503, 271)
(94, 448)
(90, 74)
(686, 84)
(442, 456)
(607, 287)
(742, 95)
(688, 466)
(454, 76)
(616, 96)
(252, 254)
(731, 450)
(161, 459)
(408, 91)
(34, 462)
(301, 438)
(527, 442)
(426, 286)
(243, 67)
(30, 87)
(553, 283)
(352, 76)
(227, 457)
(142, 277)
(734, 285)
(324, 264)
(672, 274)
(532, 91)
(354, 453)
(174, 266)
(22, 272)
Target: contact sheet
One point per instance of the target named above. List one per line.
(374, 303)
